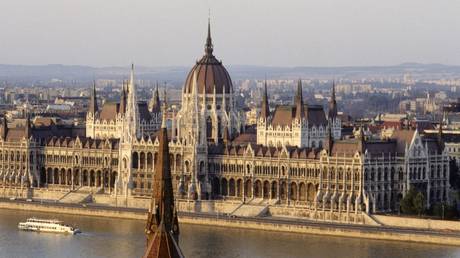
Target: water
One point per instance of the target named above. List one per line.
(117, 238)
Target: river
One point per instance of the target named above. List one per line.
(117, 238)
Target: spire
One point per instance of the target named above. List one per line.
(131, 78)
(165, 110)
(265, 108)
(4, 128)
(132, 109)
(299, 114)
(93, 101)
(209, 48)
(123, 98)
(155, 105)
(162, 227)
(333, 103)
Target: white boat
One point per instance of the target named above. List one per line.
(47, 225)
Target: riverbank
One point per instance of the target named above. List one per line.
(267, 223)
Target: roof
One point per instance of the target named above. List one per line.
(403, 138)
(210, 74)
(109, 111)
(245, 138)
(285, 114)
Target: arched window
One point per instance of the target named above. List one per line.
(209, 127)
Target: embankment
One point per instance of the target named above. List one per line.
(270, 224)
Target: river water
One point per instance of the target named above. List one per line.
(116, 238)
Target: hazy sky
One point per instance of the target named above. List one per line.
(256, 32)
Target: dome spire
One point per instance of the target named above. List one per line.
(209, 47)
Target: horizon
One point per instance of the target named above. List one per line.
(239, 65)
(309, 34)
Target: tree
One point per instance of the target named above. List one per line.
(419, 203)
(413, 202)
(407, 205)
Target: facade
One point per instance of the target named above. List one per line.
(295, 158)
(298, 125)
(107, 123)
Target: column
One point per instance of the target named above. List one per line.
(72, 174)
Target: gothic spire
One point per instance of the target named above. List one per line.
(265, 109)
(93, 101)
(209, 48)
(155, 105)
(123, 98)
(132, 109)
(165, 110)
(162, 227)
(300, 112)
(333, 103)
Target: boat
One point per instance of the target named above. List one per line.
(47, 225)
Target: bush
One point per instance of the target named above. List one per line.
(450, 211)
(413, 203)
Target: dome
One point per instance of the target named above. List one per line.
(209, 73)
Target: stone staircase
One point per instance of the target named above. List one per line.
(80, 195)
(253, 208)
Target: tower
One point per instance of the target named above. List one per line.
(207, 110)
(162, 227)
(91, 115)
(131, 125)
(93, 102)
(300, 109)
(333, 120)
(265, 108)
(332, 104)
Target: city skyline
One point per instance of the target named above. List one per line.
(310, 33)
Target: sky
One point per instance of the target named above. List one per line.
(245, 32)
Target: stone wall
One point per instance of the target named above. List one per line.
(14, 192)
(418, 223)
(74, 210)
(321, 230)
(279, 211)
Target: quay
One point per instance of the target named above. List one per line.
(279, 224)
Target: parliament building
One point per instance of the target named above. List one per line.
(296, 161)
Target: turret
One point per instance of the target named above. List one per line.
(155, 105)
(93, 101)
(300, 112)
(132, 110)
(333, 104)
(123, 98)
(209, 48)
(265, 108)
